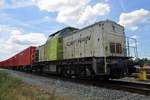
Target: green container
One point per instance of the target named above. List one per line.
(53, 48)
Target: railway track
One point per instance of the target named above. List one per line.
(121, 85)
(139, 88)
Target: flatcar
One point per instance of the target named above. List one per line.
(96, 51)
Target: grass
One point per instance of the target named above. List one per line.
(12, 88)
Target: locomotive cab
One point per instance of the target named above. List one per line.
(115, 50)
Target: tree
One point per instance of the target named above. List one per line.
(142, 62)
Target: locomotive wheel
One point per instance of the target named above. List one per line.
(66, 72)
(84, 73)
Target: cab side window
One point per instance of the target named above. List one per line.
(112, 47)
(115, 48)
(118, 48)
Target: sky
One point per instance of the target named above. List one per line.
(29, 22)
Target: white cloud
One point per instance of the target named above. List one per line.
(47, 18)
(17, 41)
(74, 11)
(134, 18)
(15, 3)
(90, 13)
(2, 3)
(135, 37)
(27, 39)
(58, 5)
(133, 28)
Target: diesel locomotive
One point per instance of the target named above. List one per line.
(96, 51)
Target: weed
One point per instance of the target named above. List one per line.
(12, 88)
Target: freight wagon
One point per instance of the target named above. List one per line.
(2, 64)
(20, 60)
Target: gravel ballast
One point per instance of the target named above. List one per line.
(76, 91)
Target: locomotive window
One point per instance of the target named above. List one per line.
(113, 27)
(115, 48)
(118, 48)
(112, 47)
(99, 25)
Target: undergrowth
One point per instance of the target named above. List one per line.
(12, 88)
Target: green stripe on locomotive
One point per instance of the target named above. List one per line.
(53, 48)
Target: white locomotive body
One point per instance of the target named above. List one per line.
(105, 38)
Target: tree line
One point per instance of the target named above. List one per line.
(142, 62)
